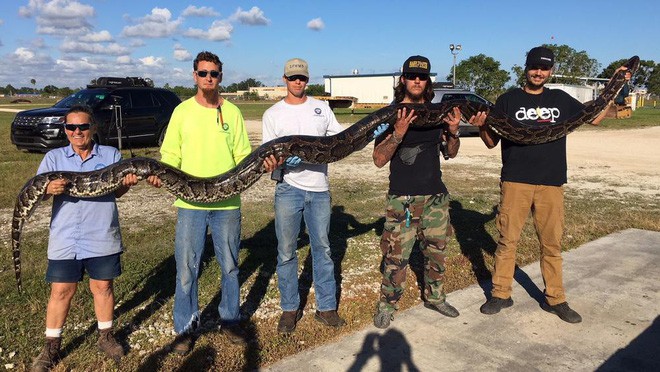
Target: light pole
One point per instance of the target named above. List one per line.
(454, 51)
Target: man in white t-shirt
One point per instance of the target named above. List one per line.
(302, 192)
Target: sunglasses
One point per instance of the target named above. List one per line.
(422, 77)
(202, 74)
(539, 67)
(302, 78)
(73, 127)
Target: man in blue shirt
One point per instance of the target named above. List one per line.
(84, 237)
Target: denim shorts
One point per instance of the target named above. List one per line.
(72, 271)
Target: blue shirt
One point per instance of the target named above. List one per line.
(82, 228)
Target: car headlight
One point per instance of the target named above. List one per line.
(51, 133)
(52, 120)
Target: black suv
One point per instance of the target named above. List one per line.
(446, 92)
(132, 104)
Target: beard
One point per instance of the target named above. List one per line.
(535, 86)
(415, 97)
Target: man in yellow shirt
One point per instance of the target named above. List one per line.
(206, 136)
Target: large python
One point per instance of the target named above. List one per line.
(310, 149)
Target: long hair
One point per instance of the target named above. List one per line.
(208, 57)
(400, 91)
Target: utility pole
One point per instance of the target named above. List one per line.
(454, 51)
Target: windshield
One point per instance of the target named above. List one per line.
(84, 97)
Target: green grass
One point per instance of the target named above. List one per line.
(643, 117)
(145, 289)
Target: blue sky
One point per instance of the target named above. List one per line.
(70, 42)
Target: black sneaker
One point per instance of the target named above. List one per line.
(443, 308)
(288, 321)
(563, 311)
(495, 304)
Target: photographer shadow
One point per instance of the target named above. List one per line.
(391, 348)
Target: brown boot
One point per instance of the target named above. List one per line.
(49, 356)
(109, 345)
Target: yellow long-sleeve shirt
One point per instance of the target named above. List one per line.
(198, 143)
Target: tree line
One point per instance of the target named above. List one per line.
(481, 74)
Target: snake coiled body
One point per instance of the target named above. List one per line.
(310, 149)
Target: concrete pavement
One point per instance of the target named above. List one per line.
(612, 282)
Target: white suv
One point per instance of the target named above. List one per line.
(444, 95)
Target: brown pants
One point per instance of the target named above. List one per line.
(547, 206)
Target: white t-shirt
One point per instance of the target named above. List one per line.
(313, 118)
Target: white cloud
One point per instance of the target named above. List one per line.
(2, 22)
(59, 17)
(124, 60)
(136, 43)
(157, 24)
(24, 54)
(39, 43)
(152, 61)
(219, 31)
(254, 16)
(181, 53)
(202, 11)
(72, 46)
(316, 24)
(97, 37)
(29, 10)
(82, 65)
(23, 57)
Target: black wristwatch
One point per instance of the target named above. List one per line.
(455, 135)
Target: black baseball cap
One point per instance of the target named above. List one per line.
(417, 65)
(540, 56)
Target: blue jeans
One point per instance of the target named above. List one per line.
(225, 226)
(292, 204)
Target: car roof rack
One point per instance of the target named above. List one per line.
(116, 82)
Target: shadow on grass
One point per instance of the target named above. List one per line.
(470, 231)
(158, 283)
(343, 226)
(391, 348)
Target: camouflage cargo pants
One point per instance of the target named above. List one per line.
(428, 223)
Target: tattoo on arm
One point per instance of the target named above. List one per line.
(453, 144)
(384, 151)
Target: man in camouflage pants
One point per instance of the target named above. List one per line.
(417, 200)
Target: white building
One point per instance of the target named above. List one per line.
(582, 93)
(367, 88)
